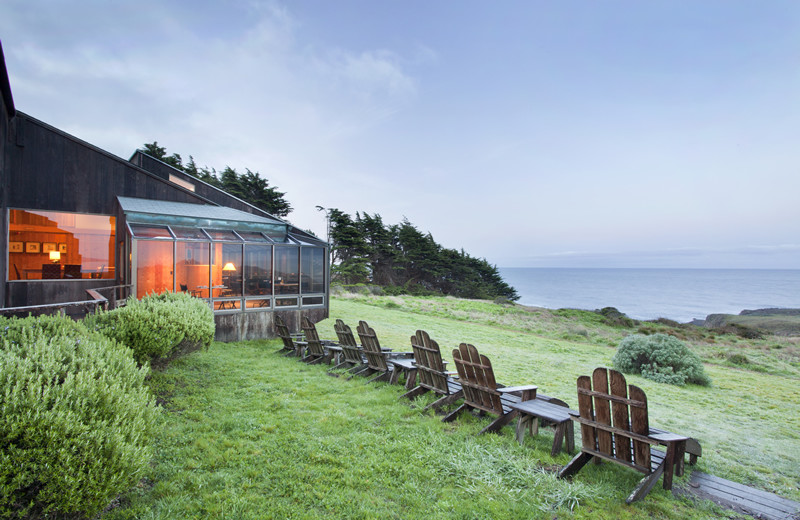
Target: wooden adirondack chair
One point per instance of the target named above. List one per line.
(432, 374)
(615, 427)
(481, 391)
(352, 354)
(291, 347)
(316, 350)
(379, 360)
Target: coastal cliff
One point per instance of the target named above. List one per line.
(781, 322)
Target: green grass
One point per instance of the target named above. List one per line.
(249, 434)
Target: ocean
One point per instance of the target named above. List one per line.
(677, 294)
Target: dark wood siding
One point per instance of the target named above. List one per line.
(202, 189)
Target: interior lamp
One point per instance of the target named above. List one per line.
(227, 267)
(55, 256)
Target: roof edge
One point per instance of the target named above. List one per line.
(5, 85)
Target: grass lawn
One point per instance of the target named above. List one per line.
(249, 434)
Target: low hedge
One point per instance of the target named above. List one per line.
(660, 357)
(159, 326)
(76, 419)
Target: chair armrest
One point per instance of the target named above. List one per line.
(667, 437)
(527, 391)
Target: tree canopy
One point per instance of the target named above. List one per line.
(365, 250)
(249, 186)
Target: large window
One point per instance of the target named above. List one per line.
(257, 270)
(235, 270)
(287, 269)
(191, 267)
(154, 264)
(226, 273)
(58, 245)
(313, 269)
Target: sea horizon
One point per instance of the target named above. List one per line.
(680, 294)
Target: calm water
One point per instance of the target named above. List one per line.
(678, 294)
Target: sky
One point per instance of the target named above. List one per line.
(531, 133)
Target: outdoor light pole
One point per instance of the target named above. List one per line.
(328, 230)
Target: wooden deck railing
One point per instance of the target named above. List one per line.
(75, 309)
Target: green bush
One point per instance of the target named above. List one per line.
(76, 419)
(159, 326)
(660, 357)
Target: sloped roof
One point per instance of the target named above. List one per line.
(5, 85)
(196, 211)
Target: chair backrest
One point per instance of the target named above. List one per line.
(73, 271)
(51, 271)
(477, 379)
(430, 367)
(612, 415)
(350, 349)
(283, 332)
(376, 358)
(313, 343)
(184, 287)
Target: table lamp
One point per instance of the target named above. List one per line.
(55, 256)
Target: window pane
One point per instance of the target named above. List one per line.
(143, 231)
(313, 300)
(218, 234)
(257, 270)
(263, 303)
(153, 267)
(287, 266)
(183, 232)
(313, 270)
(51, 244)
(226, 305)
(227, 270)
(191, 268)
(249, 236)
(286, 302)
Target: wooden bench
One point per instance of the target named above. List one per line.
(481, 391)
(615, 427)
(431, 372)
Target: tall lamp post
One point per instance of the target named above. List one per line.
(328, 232)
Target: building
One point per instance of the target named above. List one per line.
(75, 217)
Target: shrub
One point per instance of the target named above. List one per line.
(615, 318)
(76, 419)
(661, 358)
(159, 326)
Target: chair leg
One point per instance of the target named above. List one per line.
(575, 465)
(445, 400)
(570, 433)
(411, 378)
(455, 413)
(365, 370)
(558, 438)
(646, 484)
(522, 425)
(411, 394)
(498, 423)
(383, 376)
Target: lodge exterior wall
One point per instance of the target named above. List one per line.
(44, 168)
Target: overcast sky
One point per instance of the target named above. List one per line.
(530, 133)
